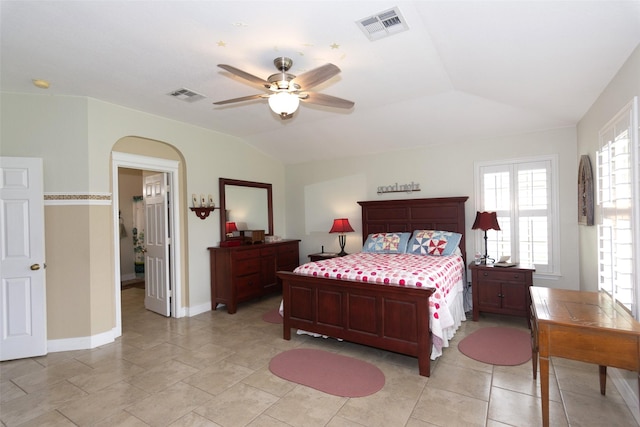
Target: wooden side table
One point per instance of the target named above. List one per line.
(501, 290)
(322, 255)
(587, 326)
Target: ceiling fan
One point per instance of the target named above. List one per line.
(287, 90)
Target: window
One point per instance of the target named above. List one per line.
(617, 173)
(523, 194)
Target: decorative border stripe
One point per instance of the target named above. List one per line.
(53, 199)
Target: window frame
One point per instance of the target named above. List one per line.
(514, 165)
(608, 134)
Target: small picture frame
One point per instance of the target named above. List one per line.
(585, 192)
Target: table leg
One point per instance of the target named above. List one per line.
(534, 342)
(603, 379)
(544, 388)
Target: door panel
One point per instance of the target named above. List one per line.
(156, 245)
(23, 327)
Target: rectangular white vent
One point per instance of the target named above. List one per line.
(383, 24)
(186, 95)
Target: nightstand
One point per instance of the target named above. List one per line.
(322, 255)
(501, 290)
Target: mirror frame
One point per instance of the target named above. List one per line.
(223, 182)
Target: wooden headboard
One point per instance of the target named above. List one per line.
(443, 213)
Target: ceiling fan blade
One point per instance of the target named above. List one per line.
(327, 100)
(250, 77)
(316, 76)
(242, 98)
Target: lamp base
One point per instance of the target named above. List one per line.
(485, 259)
(342, 240)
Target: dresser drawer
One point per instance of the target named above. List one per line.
(246, 254)
(503, 276)
(267, 252)
(288, 255)
(243, 267)
(248, 286)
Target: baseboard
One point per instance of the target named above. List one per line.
(198, 309)
(85, 343)
(80, 343)
(125, 277)
(626, 390)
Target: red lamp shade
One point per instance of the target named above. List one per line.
(486, 221)
(230, 227)
(341, 225)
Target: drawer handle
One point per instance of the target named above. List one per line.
(485, 274)
(515, 276)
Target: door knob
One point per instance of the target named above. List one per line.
(35, 267)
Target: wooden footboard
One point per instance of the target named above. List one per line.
(389, 317)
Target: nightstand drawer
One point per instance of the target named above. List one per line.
(501, 290)
(503, 276)
(322, 256)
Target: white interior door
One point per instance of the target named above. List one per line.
(23, 314)
(156, 265)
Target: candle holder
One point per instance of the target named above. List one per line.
(204, 212)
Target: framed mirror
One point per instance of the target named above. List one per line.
(249, 204)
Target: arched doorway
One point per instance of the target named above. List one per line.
(140, 153)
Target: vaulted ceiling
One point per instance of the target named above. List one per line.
(461, 69)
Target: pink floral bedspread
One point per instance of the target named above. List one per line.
(440, 272)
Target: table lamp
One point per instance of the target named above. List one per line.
(486, 221)
(230, 227)
(341, 225)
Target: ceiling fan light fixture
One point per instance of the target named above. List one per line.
(284, 103)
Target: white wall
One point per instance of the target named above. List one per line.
(208, 156)
(53, 128)
(620, 91)
(318, 192)
(74, 137)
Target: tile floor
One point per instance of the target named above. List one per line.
(212, 370)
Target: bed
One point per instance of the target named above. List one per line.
(388, 316)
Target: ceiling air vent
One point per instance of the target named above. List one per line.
(383, 24)
(186, 95)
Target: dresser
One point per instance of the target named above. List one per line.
(243, 273)
(502, 290)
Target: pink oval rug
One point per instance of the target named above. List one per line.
(328, 372)
(498, 346)
(272, 316)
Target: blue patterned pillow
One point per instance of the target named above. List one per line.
(386, 243)
(433, 242)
